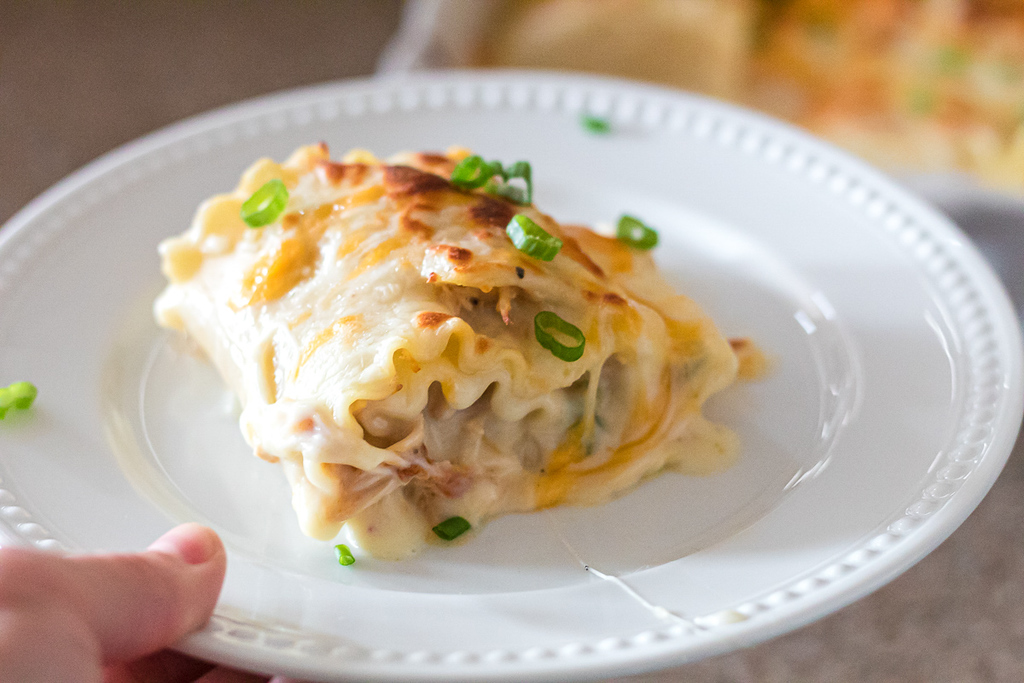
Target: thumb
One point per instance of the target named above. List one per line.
(137, 604)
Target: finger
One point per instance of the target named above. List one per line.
(41, 642)
(222, 675)
(60, 614)
(165, 666)
(138, 604)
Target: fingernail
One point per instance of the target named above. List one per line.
(193, 543)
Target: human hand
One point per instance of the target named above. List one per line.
(108, 618)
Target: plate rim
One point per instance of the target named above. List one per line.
(791, 613)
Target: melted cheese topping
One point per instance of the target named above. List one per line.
(380, 338)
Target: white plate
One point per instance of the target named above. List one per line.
(894, 402)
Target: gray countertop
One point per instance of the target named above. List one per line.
(78, 78)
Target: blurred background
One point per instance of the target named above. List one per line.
(928, 85)
(932, 90)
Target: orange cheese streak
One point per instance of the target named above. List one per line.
(378, 254)
(347, 325)
(276, 274)
(560, 478)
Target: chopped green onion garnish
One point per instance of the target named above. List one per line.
(531, 239)
(265, 204)
(473, 172)
(520, 169)
(633, 232)
(595, 124)
(516, 195)
(546, 323)
(452, 528)
(23, 393)
(19, 395)
(344, 555)
(502, 188)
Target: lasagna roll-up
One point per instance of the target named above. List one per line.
(397, 354)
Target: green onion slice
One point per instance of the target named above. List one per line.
(531, 239)
(19, 395)
(265, 204)
(520, 169)
(635, 233)
(452, 528)
(22, 394)
(546, 324)
(517, 195)
(473, 172)
(344, 555)
(595, 124)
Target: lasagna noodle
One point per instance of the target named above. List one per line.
(380, 337)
